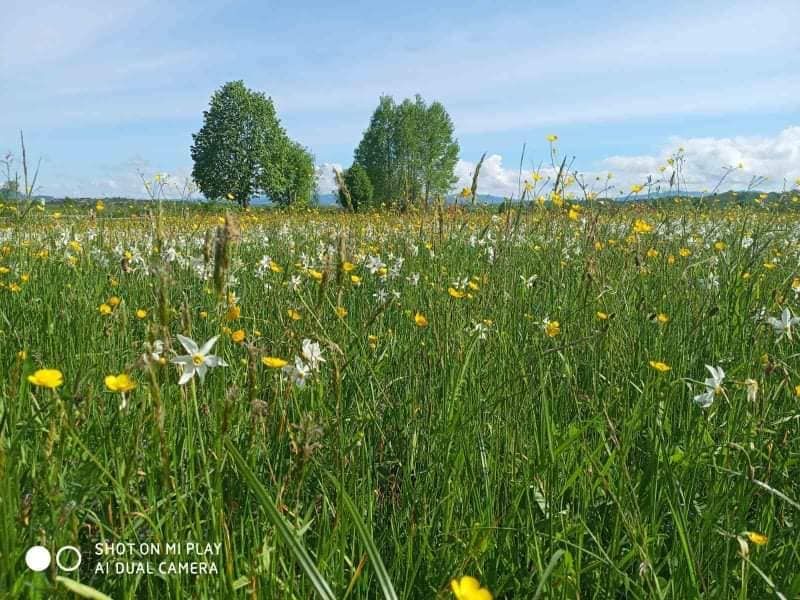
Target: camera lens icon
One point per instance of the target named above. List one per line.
(38, 558)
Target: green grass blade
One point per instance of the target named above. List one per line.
(546, 575)
(285, 530)
(372, 551)
(82, 590)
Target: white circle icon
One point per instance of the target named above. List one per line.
(58, 558)
(37, 558)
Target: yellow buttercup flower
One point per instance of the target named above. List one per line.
(341, 312)
(759, 539)
(347, 266)
(293, 314)
(119, 383)
(642, 226)
(233, 312)
(49, 378)
(469, 588)
(454, 293)
(552, 328)
(659, 366)
(238, 336)
(552, 138)
(273, 362)
(420, 320)
(141, 313)
(104, 309)
(355, 279)
(114, 301)
(315, 275)
(602, 316)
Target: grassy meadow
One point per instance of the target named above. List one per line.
(394, 401)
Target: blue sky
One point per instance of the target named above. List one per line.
(103, 87)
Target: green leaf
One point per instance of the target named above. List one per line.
(284, 528)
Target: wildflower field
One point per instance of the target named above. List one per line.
(597, 400)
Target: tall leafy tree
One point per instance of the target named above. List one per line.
(299, 174)
(408, 151)
(376, 151)
(355, 190)
(439, 152)
(242, 150)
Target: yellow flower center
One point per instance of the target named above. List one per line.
(197, 359)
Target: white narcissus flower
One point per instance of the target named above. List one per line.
(374, 264)
(298, 372)
(312, 353)
(713, 387)
(158, 350)
(783, 326)
(198, 360)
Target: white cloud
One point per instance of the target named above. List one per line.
(777, 158)
(326, 182)
(494, 178)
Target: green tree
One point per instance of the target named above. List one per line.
(408, 151)
(242, 150)
(359, 187)
(376, 151)
(300, 177)
(438, 152)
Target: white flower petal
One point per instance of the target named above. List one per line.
(188, 373)
(704, 400)
(188, 343)
(209, 345)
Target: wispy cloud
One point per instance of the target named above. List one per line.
(113, 73)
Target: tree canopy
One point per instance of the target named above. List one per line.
(355, 188)
(408, 151)
(242, 151)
